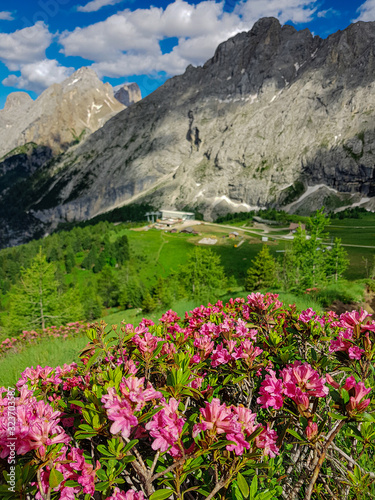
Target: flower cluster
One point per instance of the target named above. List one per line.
(36, 425)
(121, 407)
(299, 382)
(236, 423)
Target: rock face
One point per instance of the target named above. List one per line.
(61, 114)
(277, 117)
(128, 94)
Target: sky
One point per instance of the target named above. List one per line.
(44, 41)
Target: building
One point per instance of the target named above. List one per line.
(295, 225)
(233, 235)
(188, 230)
(169, 214)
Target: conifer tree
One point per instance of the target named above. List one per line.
(336, 260)
(203, 274)
(35, 301)
(263, 271)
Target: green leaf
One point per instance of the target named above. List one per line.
(130, 445)
(101, 474)
(103, 450)
(345, 395)
(221, 444)
(253, 487)
(71, 484)
(161, 494)
(295, 434)
(336, 416)
(101, 486)
(93, 358)
(367, 417)
(55, 478)
(242, 484)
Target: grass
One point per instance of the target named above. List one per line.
(344, 291)
(49, 352)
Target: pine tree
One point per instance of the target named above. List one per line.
(35, 301)
(90, 258)
(108, 287)
(263, 271)
(70, 260)
(149, 304)
(203, 274)
(336, 260)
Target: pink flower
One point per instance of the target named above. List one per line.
(271, 391)
(205, 345)
(351, 319)
(218, 419)
(307, 315)
(356, 402)
(220, 356)
(166, 427)
(355, 352)
(129, 495)
(267, 441)
(147, 344)
(120, 412)
(132, 388)
(248, 352)
(306, 378)
(34, 425)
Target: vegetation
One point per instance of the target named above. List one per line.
(252, 399)
(263, 271)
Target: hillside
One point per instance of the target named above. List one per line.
(278, 117)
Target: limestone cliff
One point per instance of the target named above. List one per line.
(277, 117)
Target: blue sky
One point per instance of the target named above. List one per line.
(44, 41)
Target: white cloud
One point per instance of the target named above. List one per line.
(24, 46)
(366, 11)
(328, 13)
(6, 16)
(39, 75)
(128, 42)
(96, 5)
(297, 11)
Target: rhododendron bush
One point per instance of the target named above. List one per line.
(251, 399)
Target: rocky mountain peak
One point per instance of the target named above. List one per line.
(60, 116)
(84, 77)
(277, 117)
(17, 100)
(128, 93)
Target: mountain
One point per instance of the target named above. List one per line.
(277, 117)
(128, 93)
(62, 113)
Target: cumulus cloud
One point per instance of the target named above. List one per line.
(297, 11)
(6, 16)
(27, 45)
(366, 11)
(39, 75)
(96, 5)
(129, 42)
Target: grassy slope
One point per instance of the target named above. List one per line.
(54, 352)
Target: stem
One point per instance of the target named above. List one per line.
(318, 463)
(352, 461)
(170, 468)
(154, 463)
(45, 496)
(218, 487)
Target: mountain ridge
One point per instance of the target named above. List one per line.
(274, 112)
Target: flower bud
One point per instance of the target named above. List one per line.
(311, 430)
